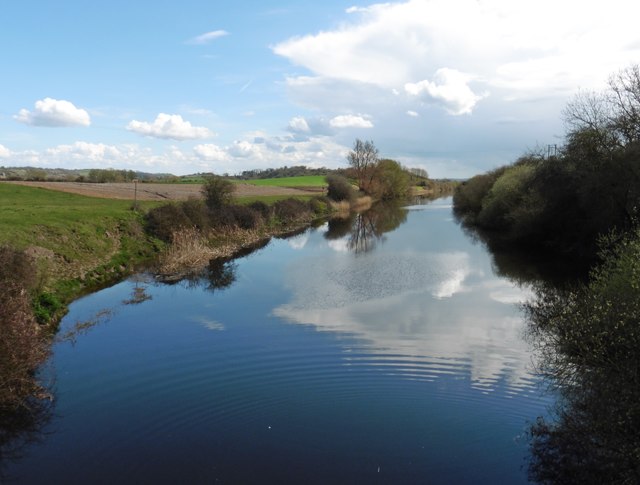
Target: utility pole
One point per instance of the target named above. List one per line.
(135, 194)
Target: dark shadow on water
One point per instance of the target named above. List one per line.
(528, 265)
(20, 429)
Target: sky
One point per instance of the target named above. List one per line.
(456, 87)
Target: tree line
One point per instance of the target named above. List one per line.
(579, 202)
(563, 202)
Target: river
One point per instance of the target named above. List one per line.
(381, 349)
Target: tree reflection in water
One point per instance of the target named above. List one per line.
(21, 428)
(588, 340)
(365, 230)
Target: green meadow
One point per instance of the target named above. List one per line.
(302, 181)
(80, 233)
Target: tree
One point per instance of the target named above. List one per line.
(363, 159)
(625, 97)
(390, 180)
(217, 192)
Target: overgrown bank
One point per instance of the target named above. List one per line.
(580, 203)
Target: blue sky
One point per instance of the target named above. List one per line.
(452, 86)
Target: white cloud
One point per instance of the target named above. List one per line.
(84, 151)
(169, 126)
(207, 37)
(298, 125)
(449, 89)
(413, 114)
(350, 121)
(211, 153)
(245, 149)
(506, 45)
(4, 152)
(54, 112)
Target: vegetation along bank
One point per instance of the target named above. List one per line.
(579, 201)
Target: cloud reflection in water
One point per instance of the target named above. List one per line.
(418, 314)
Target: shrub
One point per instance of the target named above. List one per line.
(23, 345)
(197, 213)
(263, 209)
(290, 210)
(339, 188)
(245, 217)
(164, 220)
(468, 197)
(217, 192)
(320, 206)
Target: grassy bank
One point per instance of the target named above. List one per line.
(79, 243)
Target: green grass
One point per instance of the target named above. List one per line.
(303, 181)
(83, 232)
(269, 199)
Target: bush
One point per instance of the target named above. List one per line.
(23, 344)
(339, 188)
(263, 209)
(320, 206)
(245, 217)
(217, 192)
(290, 210)
(164, 220)
(468, 197)
(588, 340)
(197, 213)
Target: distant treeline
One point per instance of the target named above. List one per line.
(268, 173)
(95, 175)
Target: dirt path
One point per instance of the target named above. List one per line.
(156, 191)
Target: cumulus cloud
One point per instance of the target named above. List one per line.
(54, 112)
(413, 114)
(516, 47)
(4, 152)
(350, 121)
(81, 150)
(298, 125)
(210, 152)
(169, 127)
(208, 37)
(449, 89)
(244, 149)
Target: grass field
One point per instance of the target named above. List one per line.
(77, 232)
(304, 181)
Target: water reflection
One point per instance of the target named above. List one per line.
(423, 313)
(365, 230)
(20, 429)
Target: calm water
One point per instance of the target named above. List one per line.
(391, 353)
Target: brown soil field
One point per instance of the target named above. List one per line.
(152, 191)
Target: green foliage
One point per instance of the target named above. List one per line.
(588, 341)
(339, 188)
(506, 196)
(390, 181)
(110, 175)
(295, 172)
(469, 196)
(217, 192)
(46, 307)
(564, 203)
(301, 181)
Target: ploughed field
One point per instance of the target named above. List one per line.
(151, 191)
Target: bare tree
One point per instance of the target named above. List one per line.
(625, 97)
(363, 159)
